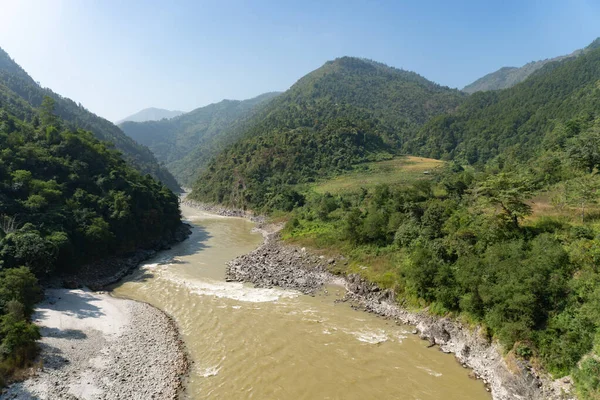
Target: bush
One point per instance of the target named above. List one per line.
(582, 232)
(407, 233)
(587, 379)
(19, 291)
(21, 285)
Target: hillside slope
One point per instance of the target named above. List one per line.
(15, 80)
(187, 142)
(151, 114)
(507, 77)
(517, 119)
(66, 200)
(348, 111)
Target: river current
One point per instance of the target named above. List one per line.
(249, 343)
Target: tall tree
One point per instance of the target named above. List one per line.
(509, 191)
(48, 118)
(584, 150)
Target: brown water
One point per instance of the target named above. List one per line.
(249, 343)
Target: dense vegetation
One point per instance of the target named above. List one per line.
(465, 244)
(15, 82)
(66, 199)
(348, 111)
(186, 143)
(507, 77)
(515, 120)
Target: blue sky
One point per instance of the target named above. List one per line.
(117, 57)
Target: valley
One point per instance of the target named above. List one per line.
(349, 228)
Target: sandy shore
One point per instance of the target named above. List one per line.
(95, 346)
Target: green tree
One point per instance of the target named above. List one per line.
(47, 112)
(583, 192)
(508, 191)
(19, 284)
(584, 150)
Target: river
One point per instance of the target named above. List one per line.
(249, 343)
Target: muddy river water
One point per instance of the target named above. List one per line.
(249, 343)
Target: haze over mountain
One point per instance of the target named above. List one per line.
(151, 114)
(15, 81)
(349, 110)
(507, 77)
(187, 142)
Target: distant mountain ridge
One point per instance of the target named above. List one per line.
(151, 114)
(507, 77)
(186, 143)
(15, 83)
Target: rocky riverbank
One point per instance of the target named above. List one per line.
(273, 265)
(507, 378)
(95, 346)
(222, 211)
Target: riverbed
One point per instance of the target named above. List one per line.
(250, 343)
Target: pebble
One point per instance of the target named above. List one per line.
(131, 370)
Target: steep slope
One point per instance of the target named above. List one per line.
(186, 143)
(507, 77)
(66, 199)
(348, 111)
(15, 80)
(151, 114)
(518, 119)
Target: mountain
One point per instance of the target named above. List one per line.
(151, 114)
(16, 83)
(519, 119)
(507, 77)
(348, 111)
(187, 142)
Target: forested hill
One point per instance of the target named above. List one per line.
(15, 80)
(518, 120)
(348, 111)
(66, 199)
(187, 142)
(507, 77)
(151, 114)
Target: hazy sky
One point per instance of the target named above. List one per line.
(117, 57)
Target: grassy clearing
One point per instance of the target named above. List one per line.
(379, 265)
(544, 205)
(397, 171)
